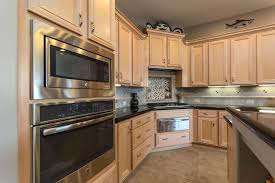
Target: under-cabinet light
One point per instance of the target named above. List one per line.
(267, 111)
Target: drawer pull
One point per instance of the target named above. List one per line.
(139, 155)
(205, 113)
(165, 139)
(138, 122)
(148, 130)
(138, 136)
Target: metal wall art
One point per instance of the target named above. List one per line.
(239, 23)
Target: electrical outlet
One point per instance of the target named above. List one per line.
(251, 102)
(124, 103)
(197, 100)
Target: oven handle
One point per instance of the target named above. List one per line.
(61, 129)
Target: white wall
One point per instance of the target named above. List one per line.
(8, 77)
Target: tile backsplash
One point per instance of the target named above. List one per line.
(159, 83)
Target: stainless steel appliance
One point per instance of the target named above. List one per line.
(72, 141)
(65, 66)
(173, 124)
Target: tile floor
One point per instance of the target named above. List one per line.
(196, 164)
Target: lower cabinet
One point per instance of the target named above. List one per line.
(172, 139)
(108, 177)
(208, 130)
(124, 149)
(222, 132)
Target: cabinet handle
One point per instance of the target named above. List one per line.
(138, 137)
(80, 20)
(164, 60)
(139, 155)
(165, 139)
(116, 75)
(213, 124)
(120, 75)
(92, 27)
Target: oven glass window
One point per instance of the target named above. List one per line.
(66, 152)
(71, 65)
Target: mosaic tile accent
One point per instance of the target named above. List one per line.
(160, 88)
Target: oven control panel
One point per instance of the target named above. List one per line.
(55, 112)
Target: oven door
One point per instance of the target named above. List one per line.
(72, 67)
(73, 151)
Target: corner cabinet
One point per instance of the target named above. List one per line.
(165, 50)
(124, 149)
(101, 22)
(69, 14)
(199, 65)
(265, 57)
(243, 60)
(219, 63)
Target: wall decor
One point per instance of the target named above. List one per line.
(149, 26)
(239, 23)
(178, 30)
(160, 88)
(162, 26)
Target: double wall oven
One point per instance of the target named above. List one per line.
(73, 139)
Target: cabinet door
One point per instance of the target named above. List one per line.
(136, 60)
(222, 133)
(157, 50)
(101, 23)
(108, 177)
(144, 62)
(174, 47)
(265, 57)
(219, 62)
(267, 119)
(208, 130)
(199, 65)
(125, 54)
(124, 150)
(66, 13)
(243, 60)
(116, 53)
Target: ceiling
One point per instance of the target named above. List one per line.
(186, 13)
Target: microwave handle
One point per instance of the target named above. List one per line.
(61, 129)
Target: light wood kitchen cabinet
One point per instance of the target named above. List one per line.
(116, 52)
(208, 130)
(183, 77)
(199, 65)
(124, 149)
(136, 69)
(243, 60)
(125, 54)
(231, 155)
(69, 14)
(267, 119)
(174, 46)
(101, 22)
(108, 177)
(158, 53)
(219, 62)
(222, 132)
(144, 62)
(265, 58)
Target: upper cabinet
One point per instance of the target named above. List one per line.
(67, 13)
(219, 62)
(157, 50)
(124, 54)
(265, 57)
(199, 65)
(243, 60)
(165, 50)
(136, 60)
(101, 21)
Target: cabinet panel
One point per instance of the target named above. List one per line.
(125, 54)
(136, 60)
(124, 149)
(157, 50)
(66, 13)
(108, 177)
(208, 130)
(174, 47)
(219, 62)
(243, 60)
(116, 53)
(144, 62)
(199, 65)
(222, 133)
(101, 15)
(265, 58)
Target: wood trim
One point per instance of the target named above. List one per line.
(227, 35)
(170, 34)
(121, 17)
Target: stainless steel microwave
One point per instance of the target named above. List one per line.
(65, 66)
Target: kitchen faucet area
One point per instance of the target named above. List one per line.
(119, 91)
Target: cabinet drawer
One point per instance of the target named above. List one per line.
(222, 114)
(208, 113)
(148, 145)
(148, 129)
(171, 139)
(138, 136)
(140, 120)
(138, 155)
(174, 113)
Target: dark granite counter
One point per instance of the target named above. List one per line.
(264, 128)
(127, 112)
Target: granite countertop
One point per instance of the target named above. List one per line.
(264, 128)
(125, 113)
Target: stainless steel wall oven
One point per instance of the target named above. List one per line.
(72, 141)
(65, 66)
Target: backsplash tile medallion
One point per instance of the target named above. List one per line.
(160, 88)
